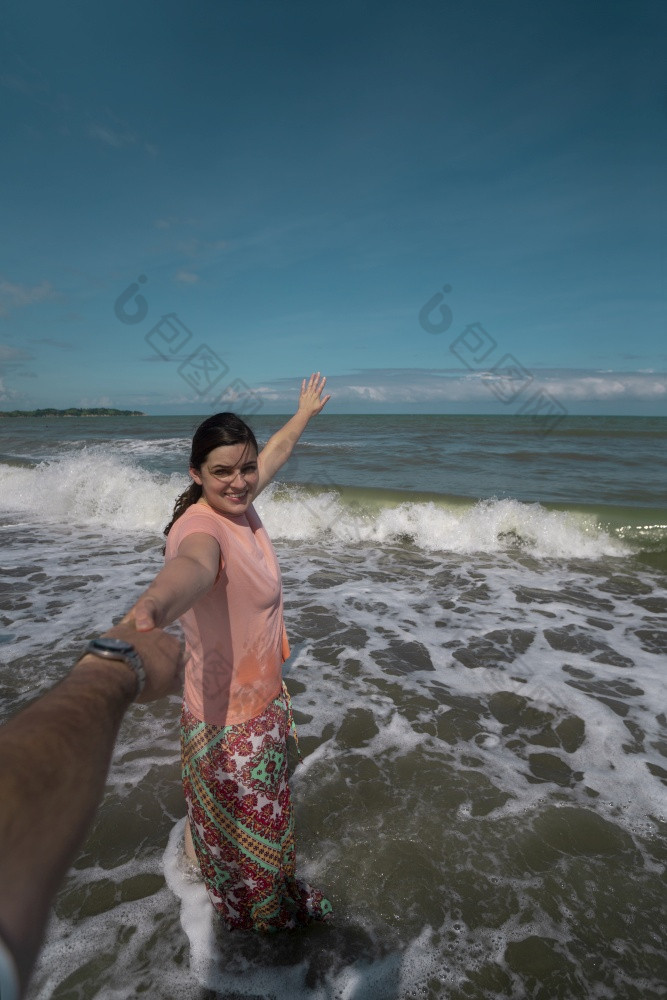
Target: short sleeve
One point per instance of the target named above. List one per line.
(191, 523)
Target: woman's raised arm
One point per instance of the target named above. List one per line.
(280, 445)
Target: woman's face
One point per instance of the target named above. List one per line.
(228, 478)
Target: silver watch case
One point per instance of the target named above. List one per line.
(117, 649)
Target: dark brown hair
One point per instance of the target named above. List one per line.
(216, 431)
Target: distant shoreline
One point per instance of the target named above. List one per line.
(73, 412)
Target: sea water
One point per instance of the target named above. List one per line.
(478, 616)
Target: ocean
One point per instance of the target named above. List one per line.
(478, 617)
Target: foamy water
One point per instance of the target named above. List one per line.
(98, 487)
(479, 690)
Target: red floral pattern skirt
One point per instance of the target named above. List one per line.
(236, 787)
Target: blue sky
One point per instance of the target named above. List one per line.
(295, 183)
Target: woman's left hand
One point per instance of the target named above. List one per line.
(310, 398)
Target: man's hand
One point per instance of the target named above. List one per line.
(162, 656)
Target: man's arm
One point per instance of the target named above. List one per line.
(279, 447)
(54, 758)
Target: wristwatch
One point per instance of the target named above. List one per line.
(118, 649)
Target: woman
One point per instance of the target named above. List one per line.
(221, 578)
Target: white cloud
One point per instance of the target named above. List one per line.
(13, 355)
(112, 131)
(443, 386)
(16, 296)
(63, 345)
(112, 137)
(92, 402)
(196, 248)
(376, 394)
(606, 385)
(187, 277)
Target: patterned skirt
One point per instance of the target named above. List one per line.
(236, 788)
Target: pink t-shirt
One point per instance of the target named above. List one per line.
(235, 635)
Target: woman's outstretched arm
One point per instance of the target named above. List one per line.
(280, 445)
(176, 587)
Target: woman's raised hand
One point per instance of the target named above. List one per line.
(310, 398)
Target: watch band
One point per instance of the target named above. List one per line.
(117, 649)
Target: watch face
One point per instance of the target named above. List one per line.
(113, 645)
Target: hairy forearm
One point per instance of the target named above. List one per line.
(54, 758)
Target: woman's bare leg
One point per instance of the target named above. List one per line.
(189, 846)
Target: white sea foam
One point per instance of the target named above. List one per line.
(137, 446)
(100, 487)
(394, 642)
(210, 961)
(487, 526)
(169, 446)
(94, 486)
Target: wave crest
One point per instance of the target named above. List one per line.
(94, 487)
(485, 526)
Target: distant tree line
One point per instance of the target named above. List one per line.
(73, 411)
